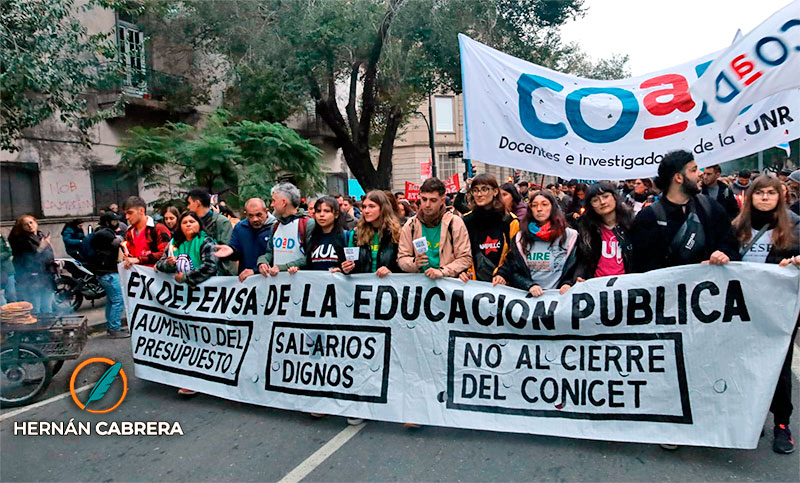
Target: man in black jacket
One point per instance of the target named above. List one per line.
(105, 244)
(683, 227)
(662, 236)
(719, 191)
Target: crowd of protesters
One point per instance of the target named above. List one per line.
(531, 238)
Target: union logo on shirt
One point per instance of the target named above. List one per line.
(490, 245)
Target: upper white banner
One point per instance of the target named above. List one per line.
(762, 63)
(528, 117)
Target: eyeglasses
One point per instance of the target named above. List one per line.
(768, 194)
(480, 190)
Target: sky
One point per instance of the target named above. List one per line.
(661, 34)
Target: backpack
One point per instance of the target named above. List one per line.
(302, 228)
(689, 241)
(87, 252)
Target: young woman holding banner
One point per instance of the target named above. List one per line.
(541, 248)
(604, 247)
(376, 236)
(327, 240)
(491, 231)
(768, 233)
(190, 253)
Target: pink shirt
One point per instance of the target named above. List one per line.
(610, 262)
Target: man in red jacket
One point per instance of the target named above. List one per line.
(145, 240)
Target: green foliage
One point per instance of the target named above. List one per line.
(48, 61)
(241, 159)
(381, 58)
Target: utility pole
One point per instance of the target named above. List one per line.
(430, 135)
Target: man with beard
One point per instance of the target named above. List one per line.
(683, 226)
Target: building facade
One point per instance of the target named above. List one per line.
(55, 177)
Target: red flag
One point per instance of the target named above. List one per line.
(412, 191)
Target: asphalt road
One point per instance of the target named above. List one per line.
(229, 441)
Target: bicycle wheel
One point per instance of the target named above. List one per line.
(23, 375)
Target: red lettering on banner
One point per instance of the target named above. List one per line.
(680, 100)
(743, 67)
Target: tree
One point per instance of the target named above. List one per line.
(48, 62)
(237, 160)
(365, 64)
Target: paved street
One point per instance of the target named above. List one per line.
(228, 441)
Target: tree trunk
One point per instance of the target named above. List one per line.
(353, 134)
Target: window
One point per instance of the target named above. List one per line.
(130, 41)
(447, 166)
(444, 114)
(19, 190)
(112, 186)
(336, 182)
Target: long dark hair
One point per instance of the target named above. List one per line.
(175, 211)
(578, 203)
(178, 237)
(512, 190)
(590, 222)
(490, 181)
(333, 204)
(783, 235)
(407, 206)
(557, 222)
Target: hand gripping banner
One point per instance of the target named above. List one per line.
(525, 116)
(687, 355)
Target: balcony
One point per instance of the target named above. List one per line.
(145, 88)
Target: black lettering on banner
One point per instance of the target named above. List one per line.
(334, 361)
(179, 344)
(632, 356)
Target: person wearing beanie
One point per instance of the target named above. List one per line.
(106, 246)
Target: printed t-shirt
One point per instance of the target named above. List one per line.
(433, 236)
(610, 262)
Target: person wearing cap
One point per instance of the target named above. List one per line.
(783, 175)
(742, 182)
(106, 245)
(794, 186)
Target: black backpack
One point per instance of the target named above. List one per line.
(689, 243)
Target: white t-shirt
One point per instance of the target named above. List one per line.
(286, 245)
(546, 261)
(760, 249)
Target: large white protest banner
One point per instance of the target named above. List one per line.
(687, 355)
(762, 63)
(525, 116)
